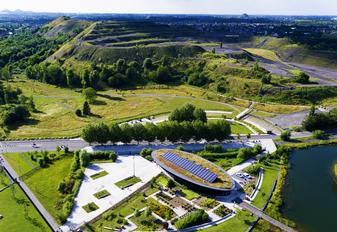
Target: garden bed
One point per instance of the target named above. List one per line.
(102, 194)
(145, 221)
(99, 175)
(127, 182)
(222, 211)
(90, 207)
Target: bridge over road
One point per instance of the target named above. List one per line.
(262, 215)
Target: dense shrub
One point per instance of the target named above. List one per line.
(319, 134)
(286, 135)
(213, 148)
(253, 169)
(146, 153)
(188, 113)
(316, 121)
(246, 153)
(196, 217)
(86, 157)
(302, 78)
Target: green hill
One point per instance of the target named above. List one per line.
(289, 51)
(64, 26)
(108, 41)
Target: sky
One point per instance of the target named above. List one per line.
(267, 7)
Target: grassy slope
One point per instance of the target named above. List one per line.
(14, 214)
(297, 53)
(57, 106)
(264, 53)
(44, 183)
(239, 223)
(270, 174)
(20, 162)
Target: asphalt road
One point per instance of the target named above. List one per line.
(74, 144)
(42, 145)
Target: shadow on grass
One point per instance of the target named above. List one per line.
(99, 103)
(28, 122)
(112, 98)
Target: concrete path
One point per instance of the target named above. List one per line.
(48, 218)
(265, 217)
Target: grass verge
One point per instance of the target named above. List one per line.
(18, 212)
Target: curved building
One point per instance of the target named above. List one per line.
(194, 171)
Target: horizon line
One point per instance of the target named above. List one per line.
(187, 14)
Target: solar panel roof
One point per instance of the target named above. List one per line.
(188, 165)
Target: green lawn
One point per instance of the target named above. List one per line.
(128, 182)
(102, 194)
(162, 180)
(270, 174)
(98, 175)
(20, 162)
(226, 160)
(90, 207)
(239, 129)
(44, 183)
(239, 223)
(18, 212)
(56, 106)
(189, 194)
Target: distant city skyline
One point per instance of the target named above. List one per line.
(254, 7)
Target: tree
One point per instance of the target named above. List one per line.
(126, 133)
(286, 135)
(89, 134)
(245, 153)
(266, 79)
(171, 184)
(139, 132)
(102, 133)
(200, 115)
(5, 74)
(115, 133)
(147, 64)
(197, 79)
(86, 108)
(85, 79)
(89, 94)
(78, 113)
(151, 132)
(312, 110)
(84, 158)
(302, 78)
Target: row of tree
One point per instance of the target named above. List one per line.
(170, 130)
(118, 75)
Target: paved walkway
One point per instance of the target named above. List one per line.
(265, 217)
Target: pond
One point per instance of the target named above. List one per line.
(310, 194)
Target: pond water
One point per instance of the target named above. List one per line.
(310, 194)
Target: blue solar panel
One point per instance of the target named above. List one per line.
(188, 165)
